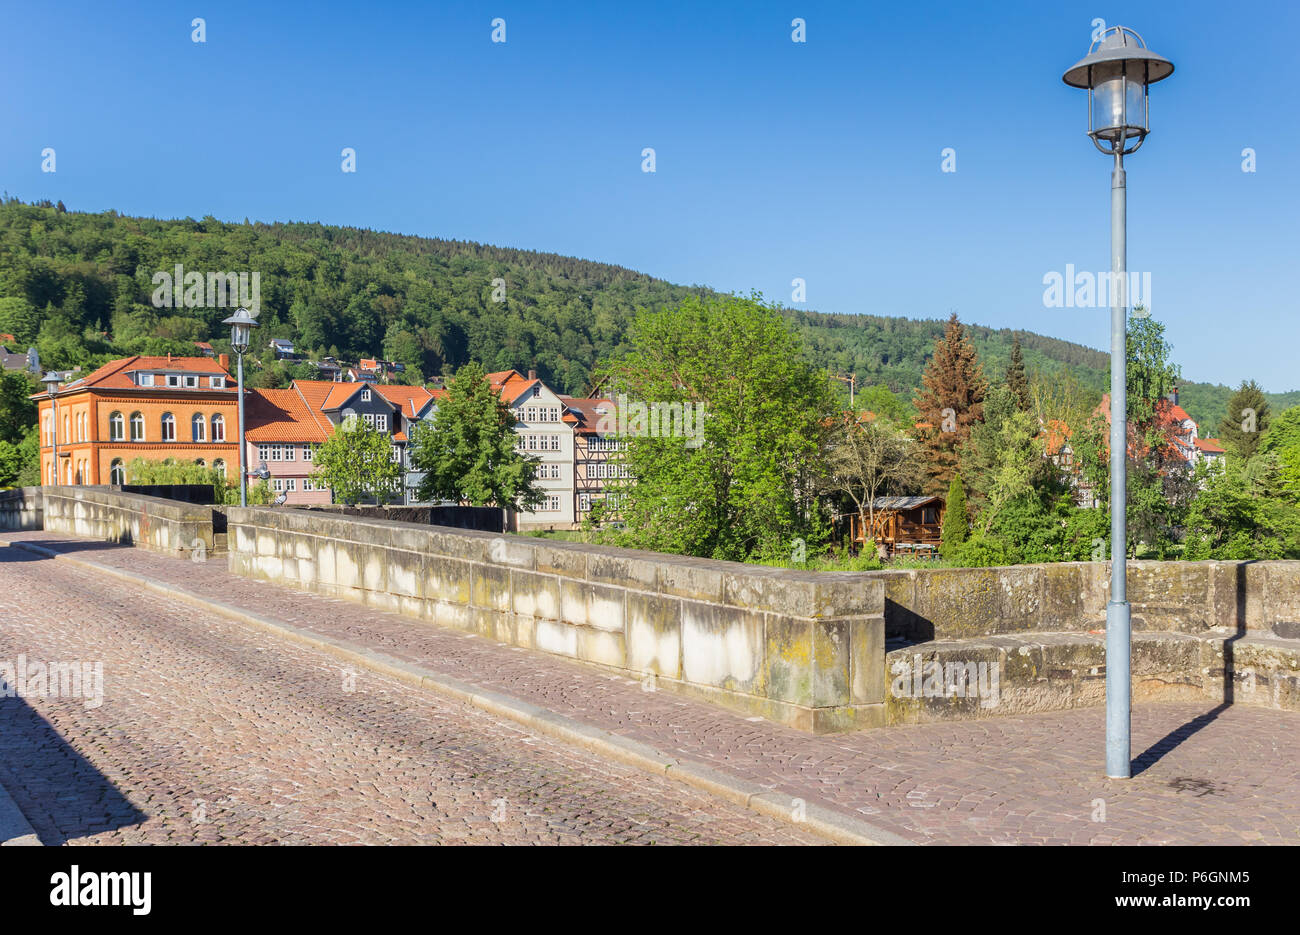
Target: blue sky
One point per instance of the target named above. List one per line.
(774, 159)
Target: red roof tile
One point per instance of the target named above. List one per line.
(410, 399)
(281, 416)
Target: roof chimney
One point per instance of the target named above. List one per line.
(224, 361)
(532, 374)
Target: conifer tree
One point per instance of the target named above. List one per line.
(950, 401)
(1247, 417)
(956, 524)
(1017, 379)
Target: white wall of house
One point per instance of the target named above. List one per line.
(545, 436)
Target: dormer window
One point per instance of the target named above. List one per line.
(218, 383)
(365, 395)
(144, 379)
(173, 379)
(191, 382)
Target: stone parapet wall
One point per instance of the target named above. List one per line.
(20, 508)
(166, 526)
(1185, 597)
(802, 648)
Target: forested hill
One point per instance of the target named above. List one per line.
(79, 286)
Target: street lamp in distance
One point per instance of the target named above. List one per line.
(51, 382)
(241, 330)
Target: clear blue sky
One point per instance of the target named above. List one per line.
(775, 160)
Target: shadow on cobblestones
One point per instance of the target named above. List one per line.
(60, 792)
(1152, 754)
(62, 545)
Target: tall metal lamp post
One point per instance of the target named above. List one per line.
(241, 328)
(1117, 72)
(51, 381)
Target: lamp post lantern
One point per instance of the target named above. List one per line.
(241, 329)
(1117, 72)
(51, 381)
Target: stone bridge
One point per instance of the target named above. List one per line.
(815, 650)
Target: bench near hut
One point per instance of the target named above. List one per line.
(901, 524)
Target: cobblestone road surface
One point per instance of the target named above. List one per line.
(1203, 775)
(212, 732)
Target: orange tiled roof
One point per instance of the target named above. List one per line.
(510, 384)
(410, 399)
(116, 374)
(581, 412)
(1211, 446)
(281, 416)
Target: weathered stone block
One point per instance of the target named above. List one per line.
(553, 636)
(535, 595)
(867, 683)
(490, 587)
(697, 580)
(593, 605)
(654, 634)
(602, 647)
(723, 647)
(446, 579)
(622, 571)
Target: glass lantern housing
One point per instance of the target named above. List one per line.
(1117, 72)
(241, 329)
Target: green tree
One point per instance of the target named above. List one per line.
(225, 488)
(470, 451)
(740, 480)
(866, 460)
(17, 317)
(879, 399)
(956, 522)
(17, 411)
(950, 402)
(1159, 481)
(1018, 459)
(356, 463)
(1017, 379)
(1247, 418)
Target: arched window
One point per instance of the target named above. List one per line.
(46, 430)
(67, 433)
(67, 471)
(116, 473)
(200, 462)
(137, 427)
(199, 426)
(168, 427)
(116, 427)
(218, 428)
(219, 466)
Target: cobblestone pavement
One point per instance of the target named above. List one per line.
(213, 732)
(1204, 774)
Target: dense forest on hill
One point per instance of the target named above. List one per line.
(80, 285)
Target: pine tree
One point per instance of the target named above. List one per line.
(1017, 380)
(956, 524)
(1247, 417)
(950, 401)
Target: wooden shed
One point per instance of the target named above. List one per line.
(902, 524)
